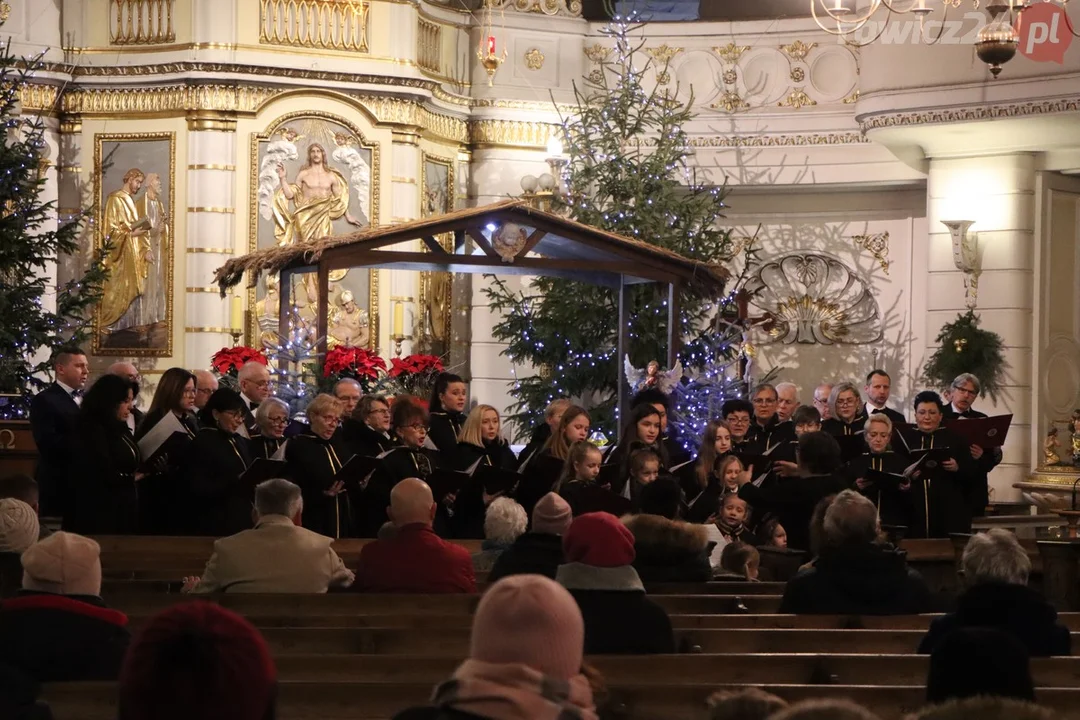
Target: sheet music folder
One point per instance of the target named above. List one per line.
(262, 470)
(987, 432)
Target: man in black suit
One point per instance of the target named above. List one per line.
(878, 387)
(254, 380)
(130, 373)
(53, 415)
(965, 388)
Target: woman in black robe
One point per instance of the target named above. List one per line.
(700, 479)
(892, 501)
(449, 398)
(164, 506)
(367, 432)
(315, 458)
(107, 463)
(272, 417)
(642, 432)
(481, 443)
(218, 457)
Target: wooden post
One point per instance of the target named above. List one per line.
(324, 305)
(284, 303)
(1061, 573)
(623, 348)
(674, 337)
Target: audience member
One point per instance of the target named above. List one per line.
(745, 704)
(739, 561)
(525, 659)
(825, 710)
(25, 488)
(667, 549)
(539, 551)
(996, 569)
(198, 660)
(504, 522)
(415, 560)
(599, 573)
(19, 529)
(854, 573)
(277, 556)
(984, 708)
(19, 697)
(974, 661)
(57, 629)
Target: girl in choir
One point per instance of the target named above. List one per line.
(938, 492)
(272, 417)
(164, 508)
(773, 534)
(105, 498)
(574, 427)
(218, 456)
(543, 472)
(733, 520)
(644, 469)
(893, 503)
(642, 431)
(315, 458)
(481, 441)
(447, 410)
(582, 467)
(701, 481)
(367, 432)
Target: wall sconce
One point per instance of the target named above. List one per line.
(965, 248)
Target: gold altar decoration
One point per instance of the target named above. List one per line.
(319, 24)
(597, 52)
(797, 99)
(141, 22)
(798, 50)
(437, 190)
(571, 8)
(486, 50)
(429, 46)
(877, 244)
(663, 54)
(731, 52)
(534, 59)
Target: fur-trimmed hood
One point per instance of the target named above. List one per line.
(658, 534)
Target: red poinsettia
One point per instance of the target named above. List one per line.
(228, 361)
(415, 364)
(353, 362)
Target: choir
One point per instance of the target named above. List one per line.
(762, 467)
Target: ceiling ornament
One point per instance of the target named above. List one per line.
(814, 299)
(569, 8)
(877, 244)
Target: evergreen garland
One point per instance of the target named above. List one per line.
(966, 348)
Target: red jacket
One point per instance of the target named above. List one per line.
(416, 560)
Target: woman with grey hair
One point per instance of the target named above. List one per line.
(847, 416)
(996, 567)
(504, 522)
(272, 417)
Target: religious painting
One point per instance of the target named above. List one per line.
(436, 198)
(314, 176)
(135, 223)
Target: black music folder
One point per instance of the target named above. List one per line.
(262, 470)
(447, 482)
(357, 470)
(590, 497)
(496, 480)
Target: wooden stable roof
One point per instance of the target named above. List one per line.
(566, 248)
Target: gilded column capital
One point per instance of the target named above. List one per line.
(211, 121)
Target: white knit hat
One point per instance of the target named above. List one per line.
(63, 563)
(18, 526)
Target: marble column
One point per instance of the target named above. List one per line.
(211, 237)
(997, 193)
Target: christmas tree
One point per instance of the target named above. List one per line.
(31, 240)
(629, 172)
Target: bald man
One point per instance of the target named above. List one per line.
(205, 385)
(415, 559)
(131, 373)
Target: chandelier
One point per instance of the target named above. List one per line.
(862, 22)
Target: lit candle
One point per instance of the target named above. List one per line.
(399, 319)
(237, 313)
(491, 44)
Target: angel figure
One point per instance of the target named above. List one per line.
(277, 152)
(1050, 446)
(1075, 422)
(347, 153)
(652, 376)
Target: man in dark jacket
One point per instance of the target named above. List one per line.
(996, 569)
(965, 389)
(539, 551)
(53, 413)
(58, 629)
(855, 574)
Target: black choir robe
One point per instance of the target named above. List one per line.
(701, 504)
(443, 431)
(896, 417)
(397, 464)
(222, 502)
(939, 498)
(620, 455)
(467, 521)
(539, 478)
(894, 506)
(837, 427)
(979, 489)
(537, 441)
(314, 462)
(105, 497)
(793, 501)
(263, 446)
(165, 506)
(359, 438)
(772, 432)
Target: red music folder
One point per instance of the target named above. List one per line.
(987, 432)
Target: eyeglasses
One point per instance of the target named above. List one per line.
(845, 402)
(332, 419)
(278, 420)
(383, 411)
(738, 419)
(764, 401)
(201, 391)
(233, 413)
(965, 391)
(417, 428)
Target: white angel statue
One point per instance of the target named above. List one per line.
(277, 152)
(652, 377)
(349, 155)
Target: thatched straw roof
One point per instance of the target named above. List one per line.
(565, 239)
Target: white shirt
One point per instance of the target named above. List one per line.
(71, 393)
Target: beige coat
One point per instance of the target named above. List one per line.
(274, 557)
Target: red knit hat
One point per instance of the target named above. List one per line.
(197, 660)
(600, 540)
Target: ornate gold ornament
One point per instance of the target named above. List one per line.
(730, 101)
(663, 78)
(486, 50)
(596, 76)
(436, 288)
(852, 98)
(534, 59)
(798, 74)
(429, 46)
(512, 133)
(797, 99)
(971, 114)
(798, 50)
(732, 141)
(730, 76)
(597, 52)
(877, 245)
(141, 22)
(731, 52)
(319, 24)
(569, 8)
(663, 53)
(5, 12)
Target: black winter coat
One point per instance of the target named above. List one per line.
(668, 551)
(104, 498)
(435, 713)
(793, 500)
(865, 579)
(531, 554)
(63, 638)
(1016, 609)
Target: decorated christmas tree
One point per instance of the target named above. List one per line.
(31, 241)
(629, 172)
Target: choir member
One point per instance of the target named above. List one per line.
(701, 481)
(348, 391)
(893, 503)
(846, 414)
(411, 458)
(574, 427)
(965, 388)
(205, 386)
(272, 417)
(821, 399)
(642, 430)
(765, 400)
(163, 506)
(878, 387)
(737, 413)
(447, 412)
(130, 373)
(676, 453)
(315, 458)
(644, 466)
(54, 413)
(367, 431)
(481, 441)
(582, 467)
(552, 417)
(217, 458)
(787, 395)
(105, 498)
(254, 380)
(543, 471)
(939, 495)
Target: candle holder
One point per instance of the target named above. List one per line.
(398, 339)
